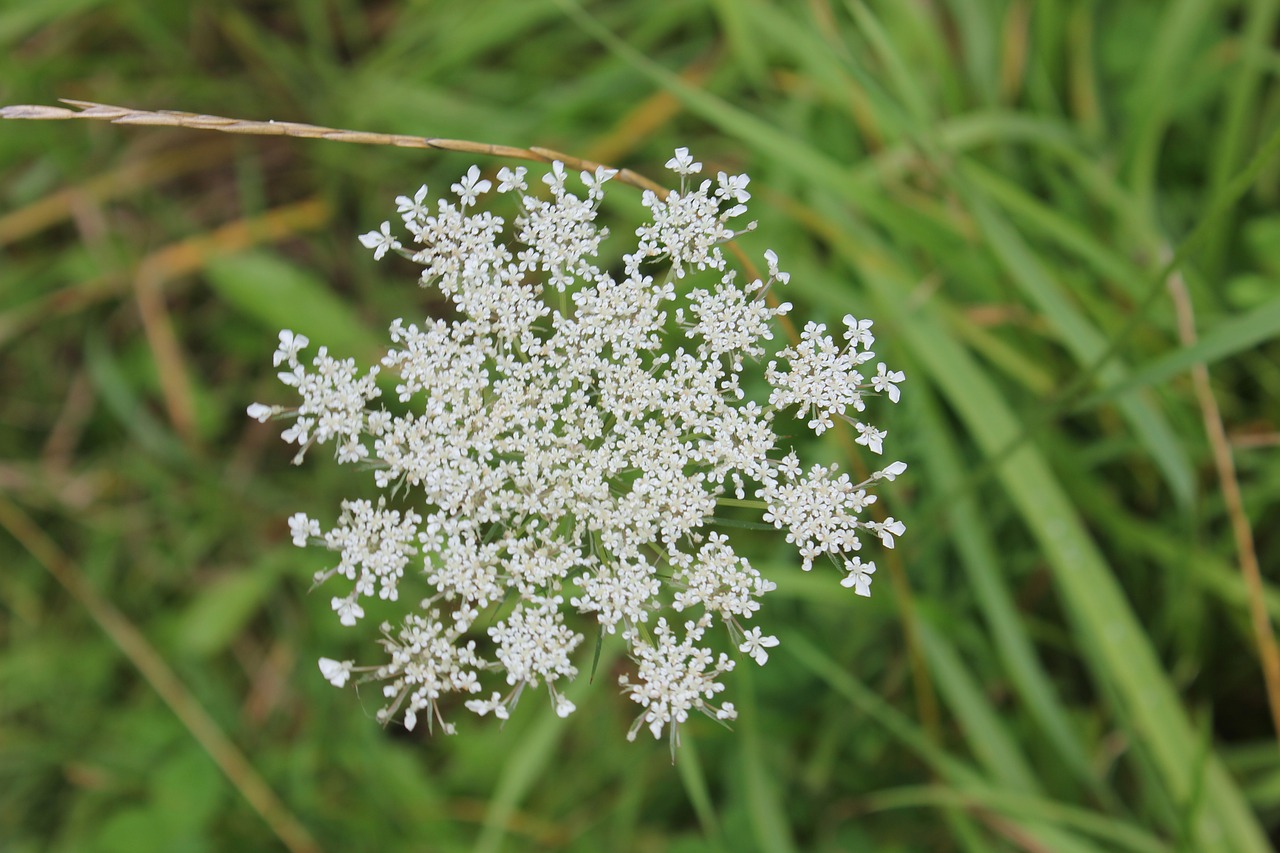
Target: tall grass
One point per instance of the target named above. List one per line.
(1063, 657)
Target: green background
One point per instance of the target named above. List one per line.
(1059, 655)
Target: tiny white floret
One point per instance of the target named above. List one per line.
(336, 672)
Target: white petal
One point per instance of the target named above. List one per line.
(335, 672)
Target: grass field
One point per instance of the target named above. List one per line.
(1054, 210)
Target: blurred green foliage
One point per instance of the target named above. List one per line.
(1060, 658)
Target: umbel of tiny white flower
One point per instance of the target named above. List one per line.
(555, 460)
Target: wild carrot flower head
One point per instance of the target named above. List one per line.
(556, 452)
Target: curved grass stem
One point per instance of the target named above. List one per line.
(223, 124)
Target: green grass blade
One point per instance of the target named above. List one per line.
(1118, 834)
(1117, 649)
(694, 779)
(1243, 105)
(1166, 61)
(1085, 342)
(904, 80)
(529, 761)
(984, 732)
(953, 770)
(1225, 339)
(768, 813)
(283, 296)
(124, 403)
(1010, 641)
(1108, 262)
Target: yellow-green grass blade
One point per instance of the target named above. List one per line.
(531, 759)
(1241, 111)
(768, 813)
(1113, 641)
(964, 779)
(1010, 640)
(282, 295)
(1117, 834)
(994, 746)
(1085, 342)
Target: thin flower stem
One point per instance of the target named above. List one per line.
(749, 504)
(223, 124)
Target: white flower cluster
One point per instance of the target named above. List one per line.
(567, 452)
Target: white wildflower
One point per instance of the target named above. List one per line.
(563, 706)
(512, 179)
(732, 187)
(858, 332)
(771, 259)
(821, 378)
(336, 672)
(380, 241)
(891, 472)
(375, 545)
(720, 580)
(428, 660)
(755, 645)
(302, 529)
(859, 576)
(869, 436)
(261, 413)
(413, 209)
(673, 678)
(348, 609)
(290, 345)
(495, 704)
(683, 164)
(555, 465)
(471, 186)
(887, 530)
(594, 181)
(818, 509)
(886, 381)
(533, 643)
